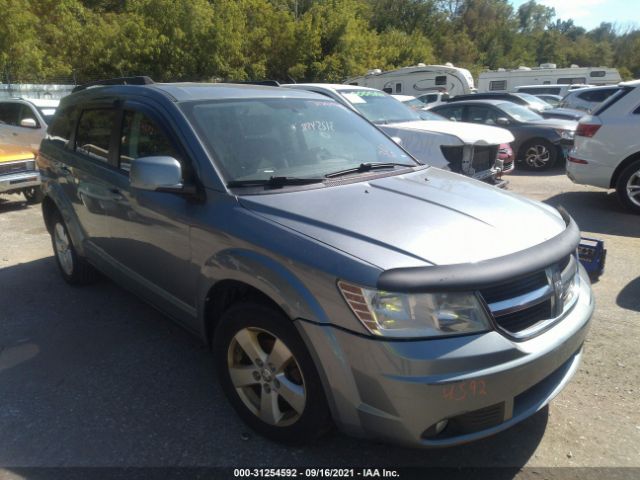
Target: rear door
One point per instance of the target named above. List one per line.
(150, 230)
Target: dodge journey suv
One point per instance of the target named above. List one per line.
(336, 279)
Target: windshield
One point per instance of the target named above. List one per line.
(47, 113)
(429, 115)
(258, 139)
(520, 113)
(414, 103)
(378, 107)
(535, 102)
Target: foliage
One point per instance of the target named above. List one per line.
(291, 40)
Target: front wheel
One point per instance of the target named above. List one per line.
(268, 375)
(34, 195)
(539, 154)
(628, 187)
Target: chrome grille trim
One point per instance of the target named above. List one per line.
(547, 299)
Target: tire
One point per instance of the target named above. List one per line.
(74, 269)
(279, 394)
(628, 186)
(34, 195)
(538, 154)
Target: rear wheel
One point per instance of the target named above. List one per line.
(539, 154)
(268, 374)
(33, 195)
(628, 187)
(74, 269)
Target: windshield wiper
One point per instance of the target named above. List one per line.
(273, 182)
(365, 167)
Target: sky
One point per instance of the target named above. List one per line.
(589, 13)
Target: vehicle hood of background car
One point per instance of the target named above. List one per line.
(465, 133)
(423, 217)
(11, 153)
(568, 113)
(556, 123)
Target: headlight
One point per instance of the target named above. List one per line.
(400, 315)
(566, 134)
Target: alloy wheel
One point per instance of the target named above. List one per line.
(537, 156)
(266, 376)
(633, 188)
(63, 248)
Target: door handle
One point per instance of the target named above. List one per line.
(116, 194)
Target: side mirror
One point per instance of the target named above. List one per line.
(156, 174)
(28, 122)
(502, 121)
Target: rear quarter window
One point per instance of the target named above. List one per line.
(93, 136)
(59, 132)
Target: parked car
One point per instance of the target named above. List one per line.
(553, 100)
(18, 173)
(410, 101)
(433, 98)
(335, 277)
(460, 148)
(607, 146)
(586, 99)
(527, 100)
(506, 156)
(24, 122)
(539, 142)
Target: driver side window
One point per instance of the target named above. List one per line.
(142, 137)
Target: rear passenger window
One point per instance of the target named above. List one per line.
(94, 133)
(142, 137)
(62, 126)
(452, 113)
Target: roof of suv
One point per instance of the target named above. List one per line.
(184, 92)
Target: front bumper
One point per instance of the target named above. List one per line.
(18, 181)
(481, 384)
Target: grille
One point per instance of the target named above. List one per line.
(484, 158)
(520, 304)
(17, 167)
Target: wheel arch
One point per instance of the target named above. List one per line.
(621, 166)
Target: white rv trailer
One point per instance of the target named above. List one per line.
(503, 80)
(418, 80)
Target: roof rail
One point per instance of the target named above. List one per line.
(266, 83)
(141, 80)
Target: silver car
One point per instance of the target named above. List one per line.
(337, 280)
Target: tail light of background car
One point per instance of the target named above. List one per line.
(587, 129)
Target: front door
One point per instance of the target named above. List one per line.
(150, 230)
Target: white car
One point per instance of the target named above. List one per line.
(464, 148)
(606, 152)
(587, 99)
(24, 121)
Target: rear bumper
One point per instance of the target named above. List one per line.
(590, 173)
(18, 181)
(480, 384)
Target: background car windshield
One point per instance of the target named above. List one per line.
(520, 113)
(378, 107)
(414, 103)
(535, 102)
(261, 138)
(47, 114)
(428, 115)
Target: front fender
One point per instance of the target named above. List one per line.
(265, 274)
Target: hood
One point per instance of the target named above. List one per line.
(560, 123)
(12, 153)
(568, 113)
(425, 217)
(468, 133)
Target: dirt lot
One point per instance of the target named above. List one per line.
(94, 377)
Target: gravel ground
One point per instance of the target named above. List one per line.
(94, 377)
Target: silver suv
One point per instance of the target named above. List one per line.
(337, 280)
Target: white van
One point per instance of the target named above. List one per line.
(504, 80)
(418, 80)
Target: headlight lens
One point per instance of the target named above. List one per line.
(566, 134)
(400, 315)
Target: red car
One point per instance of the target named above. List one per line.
(505, 156)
